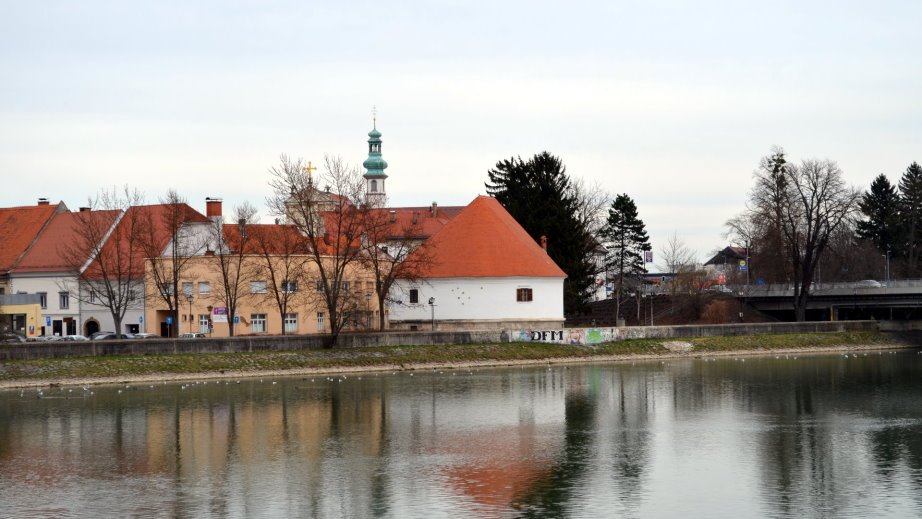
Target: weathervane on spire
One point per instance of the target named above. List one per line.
(374, 116)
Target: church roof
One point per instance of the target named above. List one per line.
(484, 240)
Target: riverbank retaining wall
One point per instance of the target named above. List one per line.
(61, 349)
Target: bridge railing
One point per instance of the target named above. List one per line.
(867, 287)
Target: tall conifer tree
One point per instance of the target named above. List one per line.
(627, 238)
(911, 214)
(538, 194)
(881, 206)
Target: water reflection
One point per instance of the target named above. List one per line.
(780, 437)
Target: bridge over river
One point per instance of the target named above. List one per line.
(893, 300)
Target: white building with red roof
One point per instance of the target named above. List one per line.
(486, 272)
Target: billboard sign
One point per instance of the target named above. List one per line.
(219, 315)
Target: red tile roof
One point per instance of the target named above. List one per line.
(56, 248)
(275, 239)
(19, 227)
(118, 242)
(484, 240)
(418, 221)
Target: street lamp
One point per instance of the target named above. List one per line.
(432, 306)
(887, 277)
(189, 298)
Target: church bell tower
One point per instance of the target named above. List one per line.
(374, 169)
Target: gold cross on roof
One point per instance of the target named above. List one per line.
(309, 168)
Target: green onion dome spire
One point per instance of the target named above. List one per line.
(374, 164)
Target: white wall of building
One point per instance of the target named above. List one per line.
(102, 314)
(52, 285)
(479, 299)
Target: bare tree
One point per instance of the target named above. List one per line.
(392, 252)
(229, 259)
(282, 254)
(807, 204)
(105, 251)
(677, 259)
(592, 203)
(332, 220)
(169, 244)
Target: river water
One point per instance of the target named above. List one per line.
(807, 436)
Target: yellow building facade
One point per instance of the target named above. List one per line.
(203, 305)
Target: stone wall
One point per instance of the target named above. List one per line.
(61, 349)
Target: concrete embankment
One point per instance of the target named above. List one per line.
(53, 350)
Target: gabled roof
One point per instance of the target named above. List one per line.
(727, 255)
(19, 228)
(421, 222)
(57, 247)
(133, 259)
(275, 239)
(484, 240)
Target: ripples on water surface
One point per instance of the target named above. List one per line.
(823, 436)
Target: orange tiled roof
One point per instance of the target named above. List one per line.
(19, 227)
(419, 221)
(279, 239)
(50, 252)
(154, 214)
(484, 240)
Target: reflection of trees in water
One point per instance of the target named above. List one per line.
(606, 415)
(818, 423)
(630, 443)
(550, 496)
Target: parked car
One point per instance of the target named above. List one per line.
(146, 336)
(10, 337)
(73, 338)
(108, 336)
(868, 283)
(192, 336)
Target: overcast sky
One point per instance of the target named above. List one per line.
(670, 102)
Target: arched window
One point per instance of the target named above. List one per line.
(374, 186)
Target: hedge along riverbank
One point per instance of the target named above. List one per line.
(586, 336)
(208, 365)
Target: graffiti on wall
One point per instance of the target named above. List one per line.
(569, 336)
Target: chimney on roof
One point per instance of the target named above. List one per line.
(434, 209)
(544, 242)
(393, 216)
(43, 201)
(212, 207)
(242, 224)
(84, 209)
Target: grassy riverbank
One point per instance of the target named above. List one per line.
(182, 366)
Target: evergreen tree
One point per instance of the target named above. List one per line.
(911, 214)
(538, 194)
(627, 237)
(881, 206)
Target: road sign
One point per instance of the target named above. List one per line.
(140, 319)
(47, 321)
(236, 319)
(743, 265)
(169, 321)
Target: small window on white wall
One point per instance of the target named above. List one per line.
(414, 296)
(523, 295)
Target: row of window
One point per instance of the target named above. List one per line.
(256, 287)
(258, 323)
(522, 295)
(63, 300)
